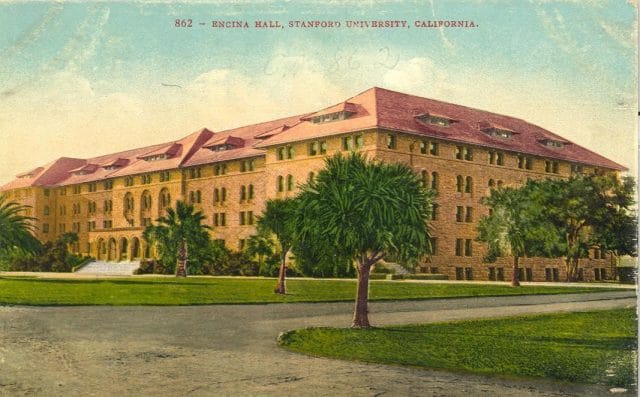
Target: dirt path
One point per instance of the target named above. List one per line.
(231, 350)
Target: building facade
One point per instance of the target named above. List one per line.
(458, 151)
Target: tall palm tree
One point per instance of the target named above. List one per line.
(16, 229)
(176, 231)
(277, 218)
(505, 228)
(365, 211)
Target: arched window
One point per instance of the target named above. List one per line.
(198, 196)
(492, 183)
(243, 193)
(216, 196)
(459, 183)
(192, 197)
(280, 183)
(468, 185)
(290, 185)
(250, 193)
(145, 201)
(128, 202)
(434, 180)
(223, 194)
(424, 178)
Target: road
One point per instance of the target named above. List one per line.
(232, 350)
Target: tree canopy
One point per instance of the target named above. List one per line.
(363, 211)
(16, 229)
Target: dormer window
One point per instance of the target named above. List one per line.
(434, 119)
(221, 148)
(499, 133)
(220, 144)
(156, 157)
(553, 143)
(329, 117)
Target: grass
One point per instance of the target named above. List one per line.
(592, 347)
(200, 291)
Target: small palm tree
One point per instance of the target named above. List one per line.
(175, 231)
(365, 211)
(15, 228)
(277, 218)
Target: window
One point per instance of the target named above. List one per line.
(220, 219)
(250, 218)
(434, 212)
(459, 243)
(468, 273)
(468, 247)
(107, 206)
(223, 194)
(577, 169)
(290, 184)
(242, 244)
(242, 220)
(165, 176)
(525, 162)
(468, 215)
(63, 191)
(47, 192)
(359, 141)
(311, 176)
(391, 141)
(45, 228)
(500, 274)
(198, 197)
(250, 194)
(243, 193)
(280, 153)
(128, 181)
(459, 213)
(108, 224)
(290, 152)
(46, 210)
(459, 183)
(424, 147)
(347, 143)
(491, 183)
(464, 153)
(433, 148)
(492, 274)
(63, 210)
(313, 148)
(434, 180)
(280, 183)
(247, 165)
(77, 189)
(551, 166)
(92, 187)
(220, 169)
(195, 173)
(547, 274)
(459, 273)
(553, 144)
(468, 185)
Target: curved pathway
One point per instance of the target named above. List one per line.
(231, 349)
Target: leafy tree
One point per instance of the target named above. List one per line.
(505, 229)
(180, 230)
(573, 215)
(261, 246)
(316, 261)
(15, 228)
(364, 211)
(277, 218)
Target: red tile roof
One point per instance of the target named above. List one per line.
(373, 108)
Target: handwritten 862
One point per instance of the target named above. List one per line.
(183, 23)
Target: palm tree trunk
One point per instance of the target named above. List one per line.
(182, 259)
(281, 287)
(361, 312)
(515, 279)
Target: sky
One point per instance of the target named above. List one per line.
(81, 79)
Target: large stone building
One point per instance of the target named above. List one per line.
(459, 151)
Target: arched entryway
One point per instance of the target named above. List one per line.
(124, 249)
(101, 247)
(135, 248)
(112, 249)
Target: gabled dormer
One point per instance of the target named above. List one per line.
(115, 164)
(338, 112)
(435, 119)
(229, 142)
(495, 130)
(163, 153)
(85, 169)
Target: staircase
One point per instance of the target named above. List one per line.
(109, 268)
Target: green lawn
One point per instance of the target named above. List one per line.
(200, 291)
(594, 347)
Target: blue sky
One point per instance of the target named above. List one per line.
(82, 79)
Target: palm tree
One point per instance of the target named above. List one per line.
(176, 231)
(365, 211)
(277, 218)
(505, 228)
(15, 228)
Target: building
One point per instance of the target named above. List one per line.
(459, 151)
